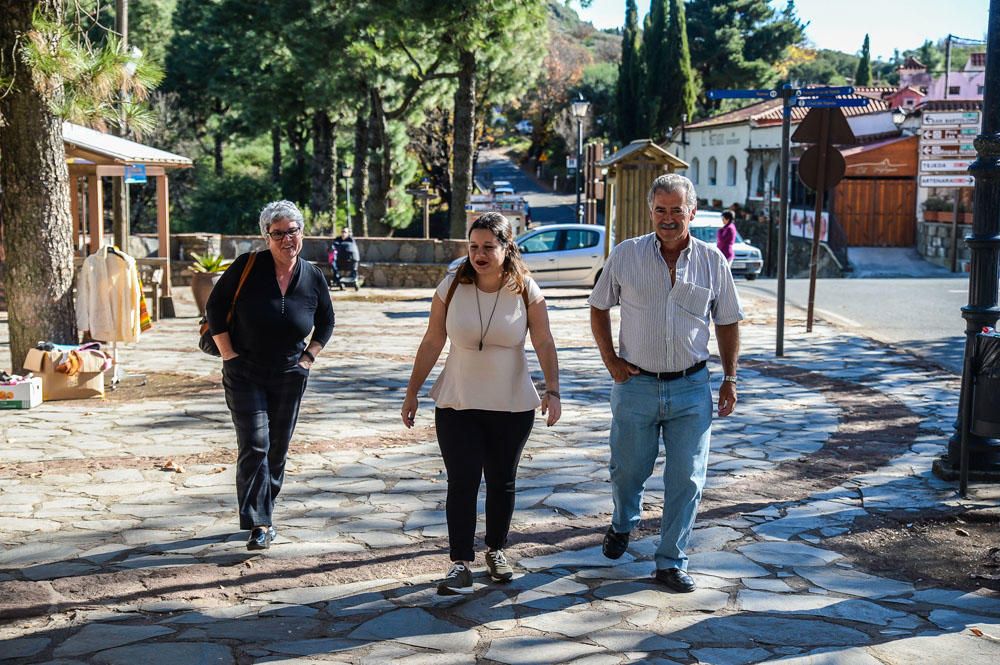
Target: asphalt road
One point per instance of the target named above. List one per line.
(922, 316)
(546, 207)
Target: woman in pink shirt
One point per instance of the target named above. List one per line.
(725, 237)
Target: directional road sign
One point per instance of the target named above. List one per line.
(950, 134)
(742, 94)
(938, 165)
(830, 102)
(947, 181)
(929, 149)
(950, 118)
(824, 91)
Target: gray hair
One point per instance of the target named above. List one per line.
(670, 183)
(276, 210)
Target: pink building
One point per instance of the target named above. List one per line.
(966, 84)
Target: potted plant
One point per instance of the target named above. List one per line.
(937, 209)
(206, 271)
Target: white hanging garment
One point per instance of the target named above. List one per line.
(107, 296)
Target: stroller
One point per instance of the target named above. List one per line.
(344, 258)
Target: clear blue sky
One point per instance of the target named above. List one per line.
(842, 24)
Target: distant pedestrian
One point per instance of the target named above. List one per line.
(668, 284)
(725, 237)
(265, 358)
(485, 398)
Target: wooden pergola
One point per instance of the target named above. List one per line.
(92, 155)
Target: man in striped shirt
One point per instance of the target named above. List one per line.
(668, 285)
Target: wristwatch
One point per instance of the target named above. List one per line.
(729, 377)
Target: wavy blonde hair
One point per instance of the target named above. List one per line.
(514, 269)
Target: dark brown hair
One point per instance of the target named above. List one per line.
(514, 268)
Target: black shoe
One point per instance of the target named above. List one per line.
(676, 579)
(615, 544)
(260, 538)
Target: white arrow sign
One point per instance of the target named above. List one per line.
(933, 165)
(948, 150)
(947, 181)
(950, 118)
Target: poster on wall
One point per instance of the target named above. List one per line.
(804, 221)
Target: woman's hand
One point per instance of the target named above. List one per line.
(305, 362)
(552, 406)
(409, 411)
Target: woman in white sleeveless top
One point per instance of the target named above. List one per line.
(485, 399)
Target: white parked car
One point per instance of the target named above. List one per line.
(747, 259)
(560, 254)
(502, 187)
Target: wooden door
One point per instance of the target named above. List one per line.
(877, 213)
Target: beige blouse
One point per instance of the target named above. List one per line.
(496, 378)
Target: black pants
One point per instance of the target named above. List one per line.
(476, 443)
(264, 404)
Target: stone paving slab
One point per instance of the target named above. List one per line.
(359, 486)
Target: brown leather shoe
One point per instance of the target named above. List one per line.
(676, 579)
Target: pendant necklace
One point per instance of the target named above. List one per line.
(482, 333)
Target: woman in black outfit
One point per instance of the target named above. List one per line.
(265, 359)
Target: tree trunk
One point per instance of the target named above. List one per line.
(298, 138)
(381, 168)
(360, 185)
(465, 116)
(322, 196)
(35, 202)
(217, 153)
(276, 156)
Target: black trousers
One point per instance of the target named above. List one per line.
(264, 404)
(475, 443)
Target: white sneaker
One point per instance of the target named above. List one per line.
(457, 581)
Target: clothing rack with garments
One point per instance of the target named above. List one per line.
(109, 300)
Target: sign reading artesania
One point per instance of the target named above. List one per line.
(947, 181)
(950, 118)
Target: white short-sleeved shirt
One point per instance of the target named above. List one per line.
(664, 326)
(496, 378)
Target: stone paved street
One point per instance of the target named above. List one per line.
(120, 542)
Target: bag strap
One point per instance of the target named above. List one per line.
(243, 278)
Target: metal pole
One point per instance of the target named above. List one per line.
(947, 67)
(824, 148)
(954, 234)
(119, 190)
(427, 214)
(579, 163)
(786, 129)
(983, 453)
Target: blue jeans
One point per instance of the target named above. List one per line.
(645, 409)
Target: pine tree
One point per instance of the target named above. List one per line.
(863, 76)
(629, 88)
(679, 91)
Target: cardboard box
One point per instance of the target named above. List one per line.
(88, 382)
(23, 395)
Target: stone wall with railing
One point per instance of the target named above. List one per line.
(406, 262)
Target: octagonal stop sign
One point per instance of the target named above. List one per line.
(809, 169)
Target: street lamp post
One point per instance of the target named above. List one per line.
(968, 452)
(580, 107)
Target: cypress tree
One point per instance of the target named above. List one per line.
(679, 88)
(654, 56)
(864, 74)
(628, 96)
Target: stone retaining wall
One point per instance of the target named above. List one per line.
(934, 243)
(409, 262)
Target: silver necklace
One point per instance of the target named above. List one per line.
(482, 333)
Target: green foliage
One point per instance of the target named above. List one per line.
(230, 204)
(96, 84)
(629, 85)
(738, 43)
(208, 263)
(679, 89)
(598, 86)
(824, 67)
(863, 74)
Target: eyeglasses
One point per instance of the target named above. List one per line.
(281, 235)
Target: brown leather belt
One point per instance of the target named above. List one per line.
(670, 376)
